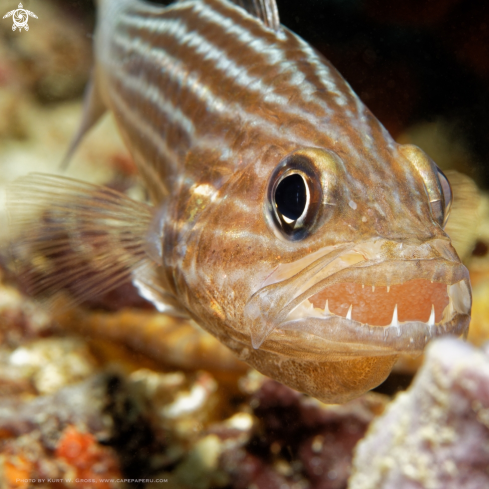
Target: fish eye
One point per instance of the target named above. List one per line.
(441, 204)
(292, 197)
(294, 194)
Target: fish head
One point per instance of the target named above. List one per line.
(318, 257)
(320, 263)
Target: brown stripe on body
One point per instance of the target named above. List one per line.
(274, 79)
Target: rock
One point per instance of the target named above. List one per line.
(435, 435)
(52, 363)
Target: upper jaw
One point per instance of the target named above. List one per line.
(280, 311)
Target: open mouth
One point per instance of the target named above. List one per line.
(359, 296)
(415, 300)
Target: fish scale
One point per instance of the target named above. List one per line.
(220, 106)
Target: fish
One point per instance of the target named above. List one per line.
(282, 216)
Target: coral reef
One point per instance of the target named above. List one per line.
(93, 431)
(278, 438)
(299, 442)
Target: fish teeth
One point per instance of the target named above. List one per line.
(388, 288)
(348, 314)
(395, 320)
(326, 311)
(431, 320)
(373, 288)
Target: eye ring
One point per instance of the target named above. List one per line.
(447, 194)
(294, 196)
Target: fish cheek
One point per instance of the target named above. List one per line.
(231, 249)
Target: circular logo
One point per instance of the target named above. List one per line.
(20, 18)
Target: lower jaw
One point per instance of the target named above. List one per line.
(336, 338)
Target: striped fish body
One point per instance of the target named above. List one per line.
(286, 220)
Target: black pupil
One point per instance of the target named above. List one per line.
(290, 197)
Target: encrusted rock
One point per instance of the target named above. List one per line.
(52, 363)
(435, 435)
(97, 429)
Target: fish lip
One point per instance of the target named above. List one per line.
(269, 319)
(347, 336)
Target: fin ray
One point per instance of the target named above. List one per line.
(264, 10)
(148, 285)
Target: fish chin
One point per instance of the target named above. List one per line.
(356, 301)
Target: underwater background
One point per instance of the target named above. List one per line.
(111, 390)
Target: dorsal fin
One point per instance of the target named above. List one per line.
(265, 10)
(93, 109)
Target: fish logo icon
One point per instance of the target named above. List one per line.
(20, 17)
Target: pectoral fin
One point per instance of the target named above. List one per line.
(75, 236)
(149, 286)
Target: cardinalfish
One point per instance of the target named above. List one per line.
(284, 219)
